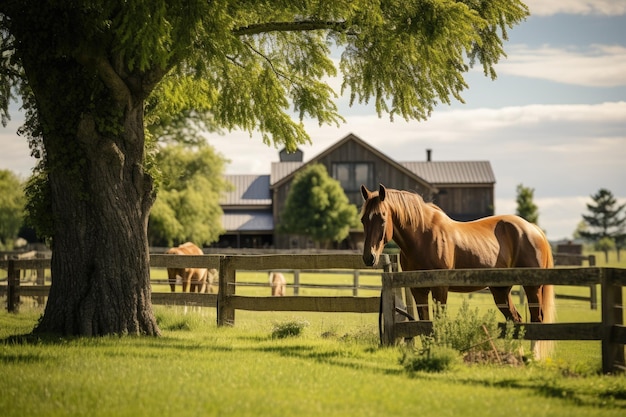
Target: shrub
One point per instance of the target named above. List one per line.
(468, 332)
(434, 359)
(288, 329)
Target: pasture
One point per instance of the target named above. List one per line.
(335, 368)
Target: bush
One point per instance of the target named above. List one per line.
(468, 332)
(434, 359)
(288, 329)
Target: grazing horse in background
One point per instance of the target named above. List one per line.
(429, 239)
(193, 279)
(278, 284)
(212, 276)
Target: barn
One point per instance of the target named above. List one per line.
(463, 189)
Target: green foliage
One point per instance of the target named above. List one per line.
(290, 328)
(11, 207)
(468, 332)
(248, 65)
(187, 205)
(526, 208)
(317, 206)
(433, 359)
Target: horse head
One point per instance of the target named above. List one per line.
(377, 224)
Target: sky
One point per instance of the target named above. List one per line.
(554, 120)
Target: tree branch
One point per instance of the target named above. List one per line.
(119, 89)
(303, 25)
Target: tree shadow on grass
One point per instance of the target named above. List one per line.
(336, 356)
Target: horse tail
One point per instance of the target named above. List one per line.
(545, 348)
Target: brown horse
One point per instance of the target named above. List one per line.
(193, 279)
(278, 284)
(429, 239)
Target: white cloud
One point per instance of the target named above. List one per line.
(581, 7)
(595, 66)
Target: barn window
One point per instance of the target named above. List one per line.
(351, 175)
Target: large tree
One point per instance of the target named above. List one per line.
(88, 71)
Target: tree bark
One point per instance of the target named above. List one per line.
(100, 262)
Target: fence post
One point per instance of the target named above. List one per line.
(593, 291)
(13, 288)
(387, 305)
(296, 282)
(227, 275)
(612, 353)
(41, 280)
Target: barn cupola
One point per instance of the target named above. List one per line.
(295, 156)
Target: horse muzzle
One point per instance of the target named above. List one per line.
(370, 259)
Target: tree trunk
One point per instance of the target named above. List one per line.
(89, 116)
(100, 260)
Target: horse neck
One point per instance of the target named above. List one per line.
(417, 241)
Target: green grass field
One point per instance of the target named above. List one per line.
(334, 368)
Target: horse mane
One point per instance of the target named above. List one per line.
(408, 207)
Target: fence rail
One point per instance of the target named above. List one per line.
(610, 331)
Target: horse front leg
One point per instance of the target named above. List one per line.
(186, 281)
(421, 302)
(171, 278)
(504, 302)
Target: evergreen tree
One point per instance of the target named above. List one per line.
(317, 206)
(606, 221)
(526, 208)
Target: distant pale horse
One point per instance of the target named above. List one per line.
(212, 278)
(429, 239)
(193, 279)
(278, 284)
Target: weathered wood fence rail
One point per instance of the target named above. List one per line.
(611, 330)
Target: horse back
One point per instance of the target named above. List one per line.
(523, 243)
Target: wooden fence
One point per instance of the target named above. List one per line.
(226, 300)
(610, 331)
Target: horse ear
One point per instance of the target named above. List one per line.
(381, 192)
(365, 192)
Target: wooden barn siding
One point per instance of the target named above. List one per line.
(465, 202)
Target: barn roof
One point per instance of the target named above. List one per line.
(441, 173)
(249, 190)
